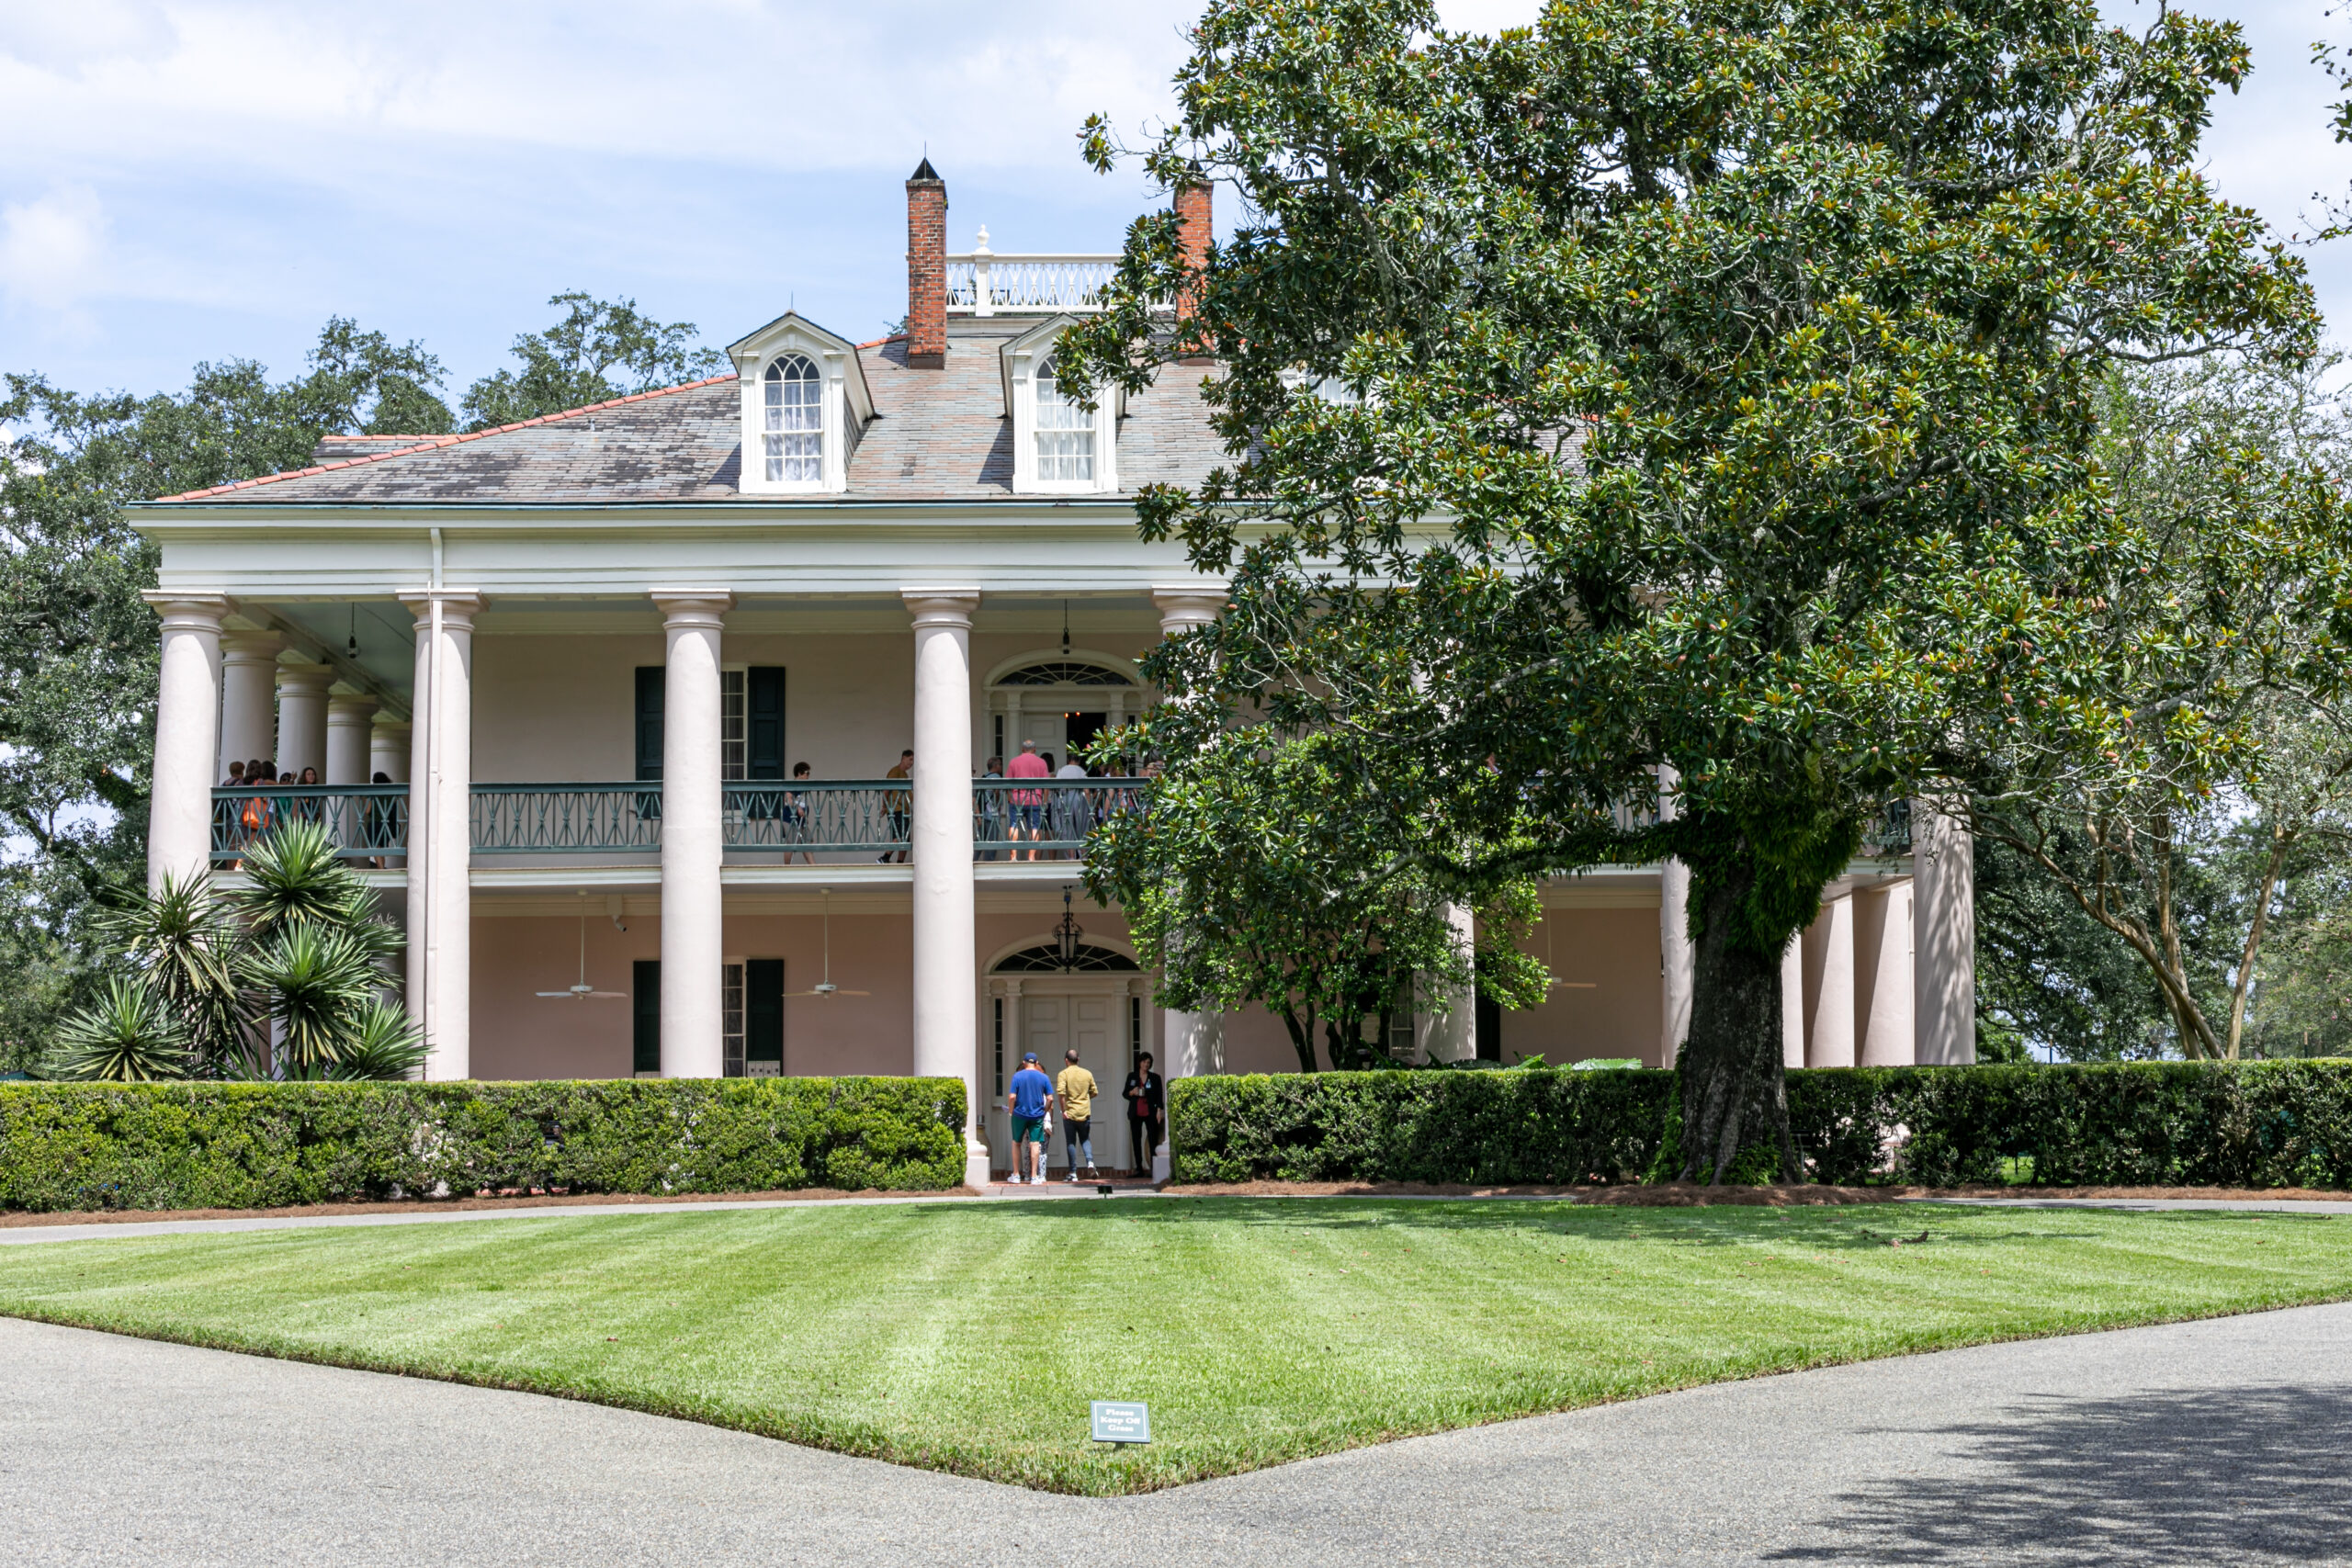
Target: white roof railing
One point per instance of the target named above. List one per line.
(981, 282)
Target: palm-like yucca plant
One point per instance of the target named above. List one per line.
(383, 1045)
(295, 876)
(129, 1035)
(184, 944)
(317, 982)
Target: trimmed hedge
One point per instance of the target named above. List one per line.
(208, 1145)
(2153, 1124)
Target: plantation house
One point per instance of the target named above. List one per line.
(587, 652)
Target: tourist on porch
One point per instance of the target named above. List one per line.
(988, 809)
(796, 817)
(901, 805)
(1146, 1096)
(1027, 1100)
(1076, 1089)
(1028, 804)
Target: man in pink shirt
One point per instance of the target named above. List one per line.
(1028, 804)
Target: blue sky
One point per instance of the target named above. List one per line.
(192, 179)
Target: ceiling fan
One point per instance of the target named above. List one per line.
(825, 988)
(583, 992)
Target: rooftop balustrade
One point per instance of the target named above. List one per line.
(981, 282)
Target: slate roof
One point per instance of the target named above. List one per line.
(937, 435)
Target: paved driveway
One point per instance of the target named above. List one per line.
(2223, 1442)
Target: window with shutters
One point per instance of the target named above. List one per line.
(733, 730)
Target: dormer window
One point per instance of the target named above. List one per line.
(805, 404)
(1065, 433)
(1059, 445)
(793, 428)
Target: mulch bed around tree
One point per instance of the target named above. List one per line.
(10, 1219)
(1679, 1195)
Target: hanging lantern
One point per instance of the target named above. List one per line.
(1067, 935)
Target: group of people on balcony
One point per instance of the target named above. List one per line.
(267, 799)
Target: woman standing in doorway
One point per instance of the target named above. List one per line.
(1146, 1097)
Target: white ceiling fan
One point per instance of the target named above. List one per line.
(825, 988)
(583, 992)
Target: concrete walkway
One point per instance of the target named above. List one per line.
(2228, 1441)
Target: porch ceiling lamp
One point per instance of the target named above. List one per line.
(1067, 935)
(1064, 629)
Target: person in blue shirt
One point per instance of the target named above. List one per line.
(1029, 1097)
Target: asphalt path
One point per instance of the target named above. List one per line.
(2227, 1441)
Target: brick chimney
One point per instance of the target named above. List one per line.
(1194, 229)
(926, 268)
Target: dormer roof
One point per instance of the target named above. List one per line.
(755, 349)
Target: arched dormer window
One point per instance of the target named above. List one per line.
(1065, 433)
(793, 424)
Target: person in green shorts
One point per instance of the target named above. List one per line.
(1028, 1097)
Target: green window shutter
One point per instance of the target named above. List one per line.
(652, 679)
(764, 1009)
(645, 1001)
(763, 703)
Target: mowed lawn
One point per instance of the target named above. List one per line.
(970, 1336)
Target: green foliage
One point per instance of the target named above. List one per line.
(1709, 385)
(2171, 1123)
(199, 1145)
(129, 1035)
(1261, 873)
(1542, 1126)
(602, 349)
(2047, 973)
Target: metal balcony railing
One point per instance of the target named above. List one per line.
(566, 819)
(1017, 819)
(364, 821)
(799, 816)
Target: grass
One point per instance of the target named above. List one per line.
(970, 1337)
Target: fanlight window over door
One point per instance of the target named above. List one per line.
(1045, 958)
(1065, 433)
(793, 429)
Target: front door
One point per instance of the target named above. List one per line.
(1051, 1025)
(1046, 729)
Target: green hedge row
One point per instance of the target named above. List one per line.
(264, 1146)
(2157, 1123)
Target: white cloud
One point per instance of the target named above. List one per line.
(52, 249)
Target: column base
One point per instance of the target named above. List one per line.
(975, 1164)
(1163, 1163)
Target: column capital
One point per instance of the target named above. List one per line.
(941, 606)
(390, 726)
(305, 678)
(251, 647)
(458, 606)
(1184, 607)
(354, 708)
(188, 611)
(701, 607)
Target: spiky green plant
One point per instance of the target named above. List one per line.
(184, 944)
(295, 875)
(130, 1035)
(317, 981)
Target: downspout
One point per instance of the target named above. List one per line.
(433, 797)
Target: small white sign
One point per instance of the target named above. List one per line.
(760, 1069)
(1122, 1421)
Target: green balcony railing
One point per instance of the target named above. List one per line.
(365, 821)
(566, 819)
(799, 817)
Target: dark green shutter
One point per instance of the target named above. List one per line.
(764, 1009)
(1488, 1028)
(645, 1000)
(764, 699)
(651, 681)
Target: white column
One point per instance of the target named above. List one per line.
(179, 806)
(1793, 1002)
(302, 719)
(440, 832)
(248, 698)
(350, 736)
(1943, 948)
(1453, 1036)
(1882, 976)
(694, 1025)
(945, 1020)
(388, 749)
(1677, 960)
(1188, 607)
(1828, 945)
(1192, 1042)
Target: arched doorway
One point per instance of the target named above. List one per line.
(1096, 1007)
(1060, 701)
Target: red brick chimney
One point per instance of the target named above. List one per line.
(1194, 229)
(927, 267)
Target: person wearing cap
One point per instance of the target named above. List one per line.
(1028, 1098)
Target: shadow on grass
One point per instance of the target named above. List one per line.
(2240, 1475)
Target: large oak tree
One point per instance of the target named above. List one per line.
(1703, 384)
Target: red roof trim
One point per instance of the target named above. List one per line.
(433, 443)
(878, 343)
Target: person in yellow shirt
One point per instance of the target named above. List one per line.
(1074, 1086)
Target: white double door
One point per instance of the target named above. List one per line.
(1053, 1022)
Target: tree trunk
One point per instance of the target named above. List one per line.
(1733, 1092)
(1302, 1036)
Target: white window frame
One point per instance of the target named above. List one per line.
(1023, 358)
(843, 404)
(734, 722)
(733, 1032)
(776, 436)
